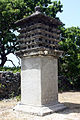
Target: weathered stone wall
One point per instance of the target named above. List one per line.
(9, 84)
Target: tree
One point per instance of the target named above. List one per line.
(10, 11)
(69, 64)
(13, 10)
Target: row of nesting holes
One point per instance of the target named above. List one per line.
(36, 22)
(41, 40)
(47, 35)
(46, 29)
(40, 45)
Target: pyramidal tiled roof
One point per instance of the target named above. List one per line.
(40, 15)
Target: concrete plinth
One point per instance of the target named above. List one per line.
(39, 85)
(39, 111)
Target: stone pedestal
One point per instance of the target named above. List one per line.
(39, 86)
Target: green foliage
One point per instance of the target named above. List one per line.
(10, 11)
(18, 97)
(13, 10)
(69, 64)
(13, 69)
(49, 7)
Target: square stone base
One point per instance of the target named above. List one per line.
(39, 111)
(39, 80)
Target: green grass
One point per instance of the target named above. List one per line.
(13, 69)
(18, 98)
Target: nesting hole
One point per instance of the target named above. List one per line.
(28, 35)
(49, 36)
(46, 29)
(53, 47)
(49, 41)
(52, 36)
(29, 41)
(46, 46)
(45, 34)
(32, 34)
(38, 27)
(40, 45)
(50, 47)
(32, 46)
(46, 41)
(32, 40)
(39, 33)
(40, 39)
(28, 47)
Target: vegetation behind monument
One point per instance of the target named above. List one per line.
(69, 63)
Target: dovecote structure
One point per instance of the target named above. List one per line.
(39, 35)
(39, 52)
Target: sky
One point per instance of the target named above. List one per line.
(71, 13)
(70, 17)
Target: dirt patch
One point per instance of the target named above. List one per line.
(70, 99)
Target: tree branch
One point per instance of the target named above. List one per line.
(11, 62)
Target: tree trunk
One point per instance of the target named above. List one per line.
(3, 60)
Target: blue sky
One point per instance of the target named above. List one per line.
(71, 13)
(70, 17)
